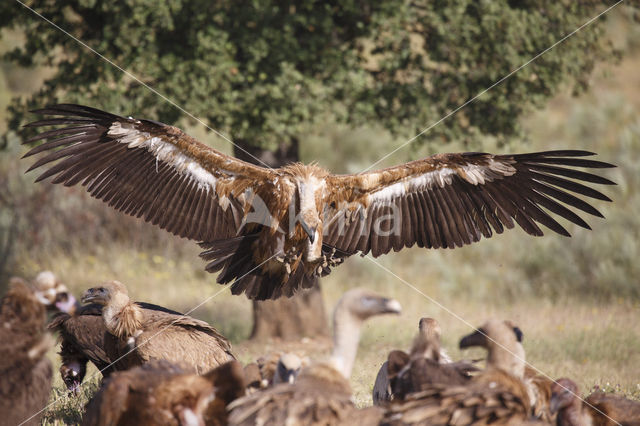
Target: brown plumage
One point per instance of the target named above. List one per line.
(598, 409)
(495, 396)
(84, 338)
(161, 393)
(149, 334)
(271, 369)
(25, 372)
(281, 367)
(266, 229)
(540, 389)
(426, 364)
(321, 395)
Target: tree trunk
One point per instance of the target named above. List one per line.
(303, 314)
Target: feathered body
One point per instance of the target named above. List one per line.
(404, 373)
(25, 371)
(142, 335)
(496, 396)
(266, 229)
(161, 393)
(85, 338)
(597, 409)
(426, 365)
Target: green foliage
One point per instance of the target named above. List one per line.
(262, 71)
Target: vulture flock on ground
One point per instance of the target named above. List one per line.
(190, 376)
(266, 231)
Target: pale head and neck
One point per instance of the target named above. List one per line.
(122, 317)
(305, 217)
(352, 310)
(503, 341)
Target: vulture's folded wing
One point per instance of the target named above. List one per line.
(147, 169)
(182, 339)
(83, 333)
(449, 200)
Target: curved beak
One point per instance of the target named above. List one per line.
(89, 296)
(392, 306)
(311, 232)
(477, 338)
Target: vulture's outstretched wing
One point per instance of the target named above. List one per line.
(147, 169)
(449, 200)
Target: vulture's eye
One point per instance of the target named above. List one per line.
(518, 333)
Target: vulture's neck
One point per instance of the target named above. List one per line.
(508, 359)
(122, 317)
(428, 348)
(346, 335)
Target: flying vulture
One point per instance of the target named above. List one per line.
(599, 408)
(266, 229)
(160, 393)
(321, 394)
(25, 370)
(142, 335)
(497, 395)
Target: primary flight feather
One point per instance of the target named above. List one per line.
(266, 229)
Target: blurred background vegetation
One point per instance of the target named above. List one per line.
(345, 81)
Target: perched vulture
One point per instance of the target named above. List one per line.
(598, 409)
(253, 378)
(161, 393)
(84, 337)
(279, 367)
(425, 365)
(145, 334)
(266, 229)
(495, 396)
(273, 369)
(25, 371)
(321, 395)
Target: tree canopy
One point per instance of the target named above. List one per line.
(262, 70)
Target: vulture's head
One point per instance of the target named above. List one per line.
(563, 392)
(427, 343)
(306, 208)
(53, 293)
(503, 341)
(106, 294)
(287, 369)
(72, 374)
(362, 304)
(429, 328)
(353, 308)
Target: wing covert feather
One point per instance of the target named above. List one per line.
(145, 169)
(451, 200)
